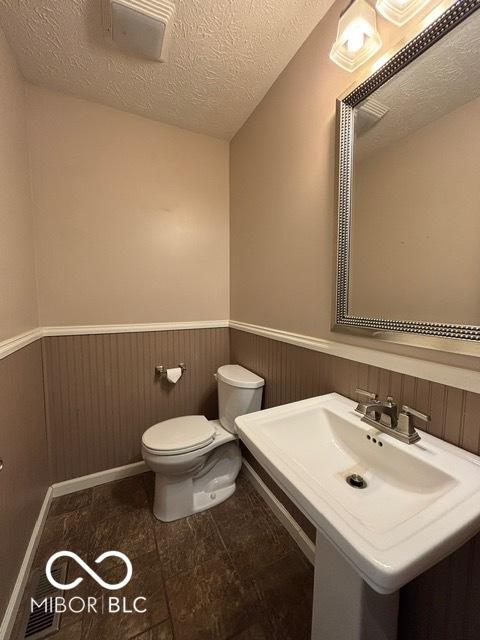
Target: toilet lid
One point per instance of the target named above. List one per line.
(179, 435)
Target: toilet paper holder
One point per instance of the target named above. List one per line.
(161, 371)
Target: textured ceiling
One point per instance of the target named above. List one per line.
(225, 55)
(445, 77)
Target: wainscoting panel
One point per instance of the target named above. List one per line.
(102, 393)
(294, 373)
(307, 527)
(25, 477)
(443, 603)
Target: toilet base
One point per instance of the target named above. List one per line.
(203, 500)
(210, 484)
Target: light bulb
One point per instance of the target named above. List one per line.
(357, 36)
(356, 40)
(400, 11)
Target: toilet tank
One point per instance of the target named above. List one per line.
(239, 392)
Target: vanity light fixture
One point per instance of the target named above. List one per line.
(400, 11)
(357, 36)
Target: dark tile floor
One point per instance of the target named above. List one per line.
(232, 572)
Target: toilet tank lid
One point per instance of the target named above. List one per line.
(237, 376)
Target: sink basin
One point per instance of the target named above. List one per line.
(420, 501)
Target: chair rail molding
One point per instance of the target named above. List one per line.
(466, 379)
(132, 328)
(10, 345)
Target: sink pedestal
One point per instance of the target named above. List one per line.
(419, 503)
(345, 607)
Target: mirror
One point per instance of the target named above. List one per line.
(409, 190)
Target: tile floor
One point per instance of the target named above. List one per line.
(232, 572)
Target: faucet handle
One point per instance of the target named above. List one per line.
(415, 414)
(367, 394)
(405, 424)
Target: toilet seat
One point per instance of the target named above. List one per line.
(179, 435)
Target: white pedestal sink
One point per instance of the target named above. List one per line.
(419, 503)
(345, 606)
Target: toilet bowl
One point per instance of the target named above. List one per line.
(196, 461)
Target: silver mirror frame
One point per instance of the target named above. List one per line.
(442, 336)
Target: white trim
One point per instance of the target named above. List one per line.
(94, 479)
(466, 379)
(17, 593)
(287, 520)
(132, 328)
(9, 346)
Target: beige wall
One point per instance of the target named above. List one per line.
(283, 199)
(131, 216)
(421, 192)
(23, 446)
(18, 310)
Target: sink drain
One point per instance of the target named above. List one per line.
(356, 481)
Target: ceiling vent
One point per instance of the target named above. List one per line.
(140, 26)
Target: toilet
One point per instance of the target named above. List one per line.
(196, 461)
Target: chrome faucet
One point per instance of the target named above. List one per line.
(386, 417)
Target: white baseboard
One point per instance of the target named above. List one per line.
(290, 524)
(94, 479)
(102, 477)
(16, 596)
(56, 490)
